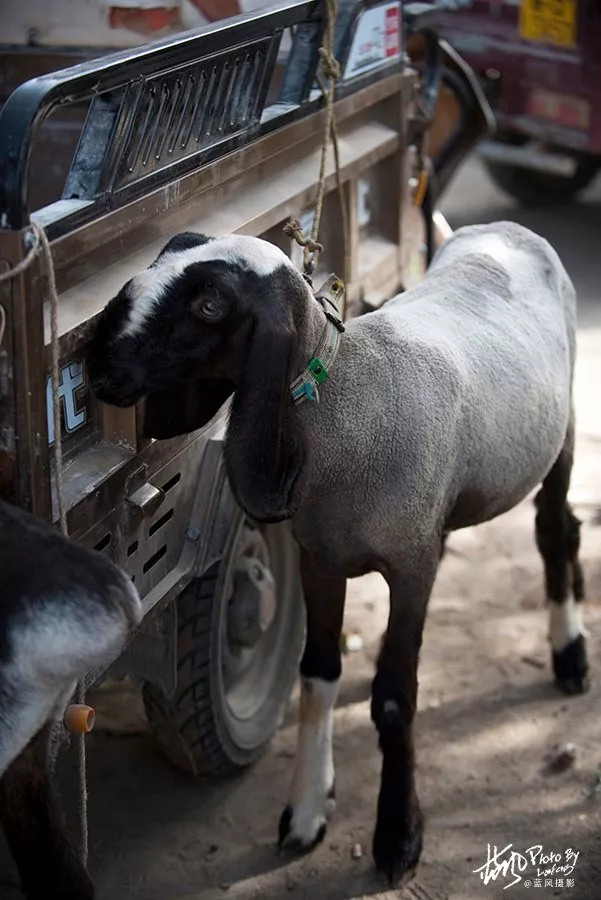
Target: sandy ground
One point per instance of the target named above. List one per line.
(488, 713)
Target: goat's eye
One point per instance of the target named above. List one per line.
(208, 308)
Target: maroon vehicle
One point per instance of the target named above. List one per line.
(539, 62)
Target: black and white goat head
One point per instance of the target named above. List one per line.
(205, 320)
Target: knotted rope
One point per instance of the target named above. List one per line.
(331, 69)
(40, 242)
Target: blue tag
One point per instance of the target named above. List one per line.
(309, 390)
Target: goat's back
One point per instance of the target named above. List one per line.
(498, 287)
(498, 271)
(529, 260)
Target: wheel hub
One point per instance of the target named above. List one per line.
(253, 604)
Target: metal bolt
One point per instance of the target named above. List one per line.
(192, 534)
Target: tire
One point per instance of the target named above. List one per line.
(230, 698)
(534, 188)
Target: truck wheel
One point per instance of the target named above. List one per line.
(534, 188)
(240, 635)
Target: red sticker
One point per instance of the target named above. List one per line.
(391, 36)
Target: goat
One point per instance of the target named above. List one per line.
(65, 611)
(441, 410)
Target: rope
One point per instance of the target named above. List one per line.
(25, 262)
(40, 242)
(82, 807)
(55, 371)
(331, 69)
(293, 230)
(341, 194)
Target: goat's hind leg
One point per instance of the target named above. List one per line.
(558, 540)
(34, 825)
(311, 797)
(397, 843)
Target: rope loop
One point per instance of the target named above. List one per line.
(292, 229)
(329, 64)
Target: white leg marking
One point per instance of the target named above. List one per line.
(565, 623)
(313, 777)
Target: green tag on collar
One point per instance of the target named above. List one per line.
(317, 370)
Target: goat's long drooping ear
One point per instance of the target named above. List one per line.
(264, 452)
(182, 408)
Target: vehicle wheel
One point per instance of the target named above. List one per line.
(535, 188)
(240, 635)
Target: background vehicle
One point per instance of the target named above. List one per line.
(205, 131)
(540, 66)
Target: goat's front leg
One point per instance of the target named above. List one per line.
(35, 830)
(311, 797)
(397, 841)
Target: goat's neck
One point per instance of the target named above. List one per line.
(310, 324)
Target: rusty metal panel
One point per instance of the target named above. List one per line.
(23, 302)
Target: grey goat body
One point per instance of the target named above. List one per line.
(443, 409)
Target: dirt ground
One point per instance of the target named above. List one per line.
(488, 712)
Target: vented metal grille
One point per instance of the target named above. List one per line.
(152, 548)
(168, 118)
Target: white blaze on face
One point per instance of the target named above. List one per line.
(565, 623)
(248, 253)
(313, 776)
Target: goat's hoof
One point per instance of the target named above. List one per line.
(570, 667)
(300, 833)
(397, 851)
(573, 686)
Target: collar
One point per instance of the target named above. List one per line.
(305, 387)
